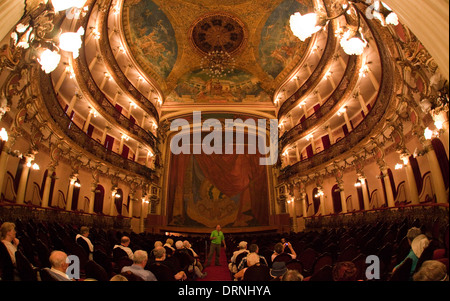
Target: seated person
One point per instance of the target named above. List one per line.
(279, 249)
(83, 240)
(124, 245)
(59, 265)
(431, 270)
(140, 259)
(164, 269)
(8, 238)
(255, 270)
(252, 249)
(186, 261)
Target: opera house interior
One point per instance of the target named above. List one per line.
(322, 122)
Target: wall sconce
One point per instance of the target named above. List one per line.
(398, 166)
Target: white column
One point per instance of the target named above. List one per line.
(88, 121)
(347, 121)
(363, 103)
(73, 179)
(48, 183)
(436, 175)
(366, 197)
(343, 197)
(388, 187)
(21, 190)
(410, 180)
(92, 199)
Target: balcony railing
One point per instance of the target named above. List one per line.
(78, 136)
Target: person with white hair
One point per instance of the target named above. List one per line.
(186, 261)
(418, 242)
(431, 270)
(140, 259)
(242, 248)
(59, 264)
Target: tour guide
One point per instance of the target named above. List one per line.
(216, 240)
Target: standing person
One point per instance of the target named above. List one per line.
(216, 241)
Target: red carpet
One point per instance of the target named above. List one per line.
(217, 273)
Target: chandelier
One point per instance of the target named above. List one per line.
(351, 37)
(37, 37)
(218, 63)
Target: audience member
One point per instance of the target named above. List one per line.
(83, 240)
(186, 261)
(279, 249)
(59, 264)
(292, 275)
(252, 249)
(431, 270)
(233, 265)
(278, 270)
(188, 247)
(418, 242)
(252, 261)
(8, 238)
(118, 277)
(124, 245)
(345, 271)
(169, 247)
(164, 269)
(140, 259)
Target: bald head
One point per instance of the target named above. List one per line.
(58, 261)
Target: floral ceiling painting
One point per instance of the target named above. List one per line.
(279, 48)
(238, 86)
(152, 37)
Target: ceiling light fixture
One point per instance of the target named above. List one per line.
(218, 63)
(37, 35)
(352, 40)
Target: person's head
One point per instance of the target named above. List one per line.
(242, 245)
(253, 248)
(218, 228)
(125, 241)
(140, 257)
(118, 277)
(413, 233)
(345, 271)
(179, 245)
(187, 244)
(419, 244)
(278, 269)
(159, 253)
(84, 231)
(169, 241)
(8, 231)
(283, 240)
(252, 259)
(58, 261)
(292, 275)
(431, 270)
(158, 244)
(278, 248)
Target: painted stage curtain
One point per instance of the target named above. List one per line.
(236, 182)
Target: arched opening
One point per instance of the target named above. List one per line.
(316, 200)
(118, 200)
(336, 196)
(75, 195)
(98, 200)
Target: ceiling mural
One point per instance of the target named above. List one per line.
(279, 47)
(170, 48)
(238, 86)
(152, 36)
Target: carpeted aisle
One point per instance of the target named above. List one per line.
(218, 273)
